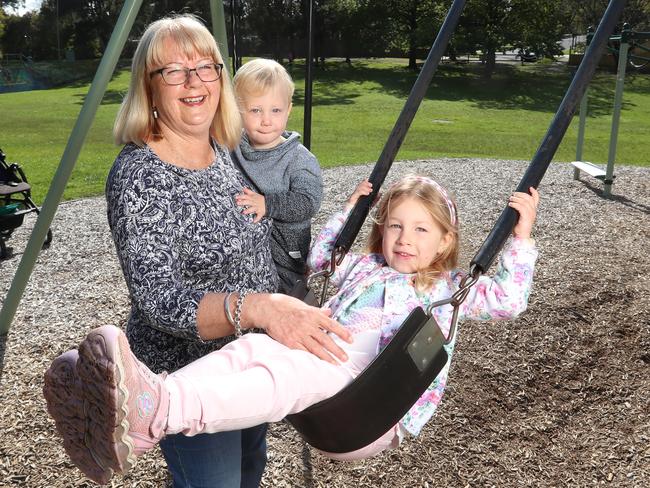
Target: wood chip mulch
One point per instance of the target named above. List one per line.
(559, 397)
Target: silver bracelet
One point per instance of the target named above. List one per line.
(237, 319)
(226, 308)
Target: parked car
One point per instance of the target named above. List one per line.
(527, 57)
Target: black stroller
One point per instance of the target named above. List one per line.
(15, 202)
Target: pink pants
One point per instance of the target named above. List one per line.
(254, 380)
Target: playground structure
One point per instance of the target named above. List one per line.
(628, 50)
(481, 262)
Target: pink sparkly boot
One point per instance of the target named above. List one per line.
(124, 406)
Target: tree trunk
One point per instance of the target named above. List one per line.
(412, 59)
(413, 25)
(490, 63)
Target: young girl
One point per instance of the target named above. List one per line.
(109, 408)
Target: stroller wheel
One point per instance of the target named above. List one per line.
(5, 252)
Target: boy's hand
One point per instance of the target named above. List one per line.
(526, 205)
(364, 188)
(253, 203)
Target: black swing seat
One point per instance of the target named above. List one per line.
(15, 202)
(382, 394)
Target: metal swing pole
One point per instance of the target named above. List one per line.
(306, 136)
(582, 117)
(233, 35)
(542, 158)
(218, 18)
(618, 103)
(70, 155)
(68, 160)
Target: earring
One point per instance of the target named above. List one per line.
(154, 111)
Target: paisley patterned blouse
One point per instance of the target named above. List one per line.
(179, 235)
(373, 295)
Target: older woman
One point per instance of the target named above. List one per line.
(198, 270)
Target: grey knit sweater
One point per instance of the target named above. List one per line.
(290, 179)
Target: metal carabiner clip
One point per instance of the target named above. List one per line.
(455, 301)
(337, 258)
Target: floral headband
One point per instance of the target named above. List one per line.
(439, 189)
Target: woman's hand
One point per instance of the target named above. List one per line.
(364, 188)
(295, 324)
(526, 205)
(253, 203)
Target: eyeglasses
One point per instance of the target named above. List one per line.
(177, 76)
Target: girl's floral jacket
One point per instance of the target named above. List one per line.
(503, 297)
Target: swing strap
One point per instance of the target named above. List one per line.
(540, 162)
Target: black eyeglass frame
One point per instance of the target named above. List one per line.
(188, 72)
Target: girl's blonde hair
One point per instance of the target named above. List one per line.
(260, 75)
(442, 209)
(135, 122)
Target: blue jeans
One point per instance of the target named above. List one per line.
(223, 460)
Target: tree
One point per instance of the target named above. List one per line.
(542, 27)
(278, 35)
(637, 14)
(162, 8)
(488, 26)
(359, 26)
(48, 31)
(492, 25)
(17, 34)
(94, 22)
(12, 4)
(587, 13)
(413, 25)
(3, 21)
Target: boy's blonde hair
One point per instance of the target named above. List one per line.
(135, 122)
(442, 209)
(261, 75)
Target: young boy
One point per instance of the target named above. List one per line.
(284, 177)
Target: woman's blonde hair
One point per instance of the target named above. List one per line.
(442, 209)
(261, 75)
(135, 122)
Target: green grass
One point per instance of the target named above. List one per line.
(355, 108)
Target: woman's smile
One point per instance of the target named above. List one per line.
(193, 100)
